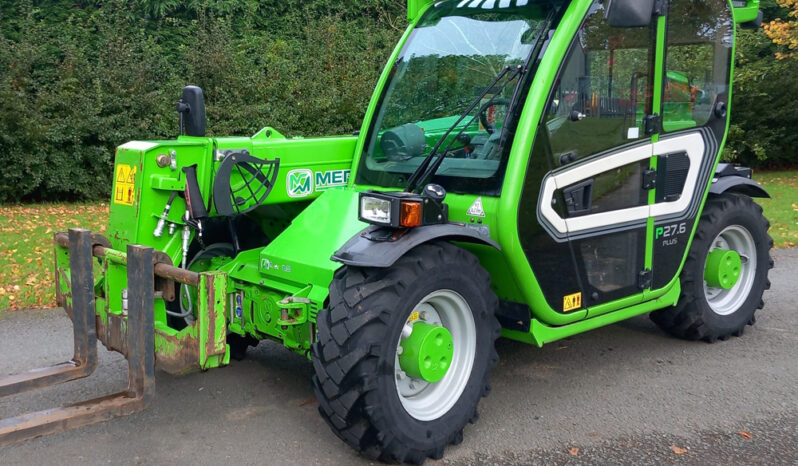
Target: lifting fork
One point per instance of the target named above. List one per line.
(140, 354)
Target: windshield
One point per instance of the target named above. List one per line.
(455, 52)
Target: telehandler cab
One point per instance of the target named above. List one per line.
(530, 169)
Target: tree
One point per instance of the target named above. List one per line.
(784, 32)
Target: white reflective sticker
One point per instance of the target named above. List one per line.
(138, 145)
(476, 209)
(634, 133)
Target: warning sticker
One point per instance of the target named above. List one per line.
(476, 209)
(572, 302)
(125, 192)
(413, 317)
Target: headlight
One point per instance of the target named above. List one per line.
(375, 210)
(404, 210)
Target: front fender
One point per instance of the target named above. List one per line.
(363, 251)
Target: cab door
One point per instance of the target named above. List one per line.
(695, 100)
(595, 144)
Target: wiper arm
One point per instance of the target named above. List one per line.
(431, 164)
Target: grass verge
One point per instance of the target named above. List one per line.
(26, 251)
(782, 208)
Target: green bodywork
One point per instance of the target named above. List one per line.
(276, 290)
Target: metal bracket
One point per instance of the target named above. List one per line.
(653, 124)
(649, 179)
(293, 311)
(140, 356)
(644, 279)
(661, 7)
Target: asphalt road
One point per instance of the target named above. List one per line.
(625, 394)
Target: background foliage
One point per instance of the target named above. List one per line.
(763, 127)
(783, 31)
(79, 77)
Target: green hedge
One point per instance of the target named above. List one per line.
(78, 78)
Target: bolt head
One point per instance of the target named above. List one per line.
(163, 160)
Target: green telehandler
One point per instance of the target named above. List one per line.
(526, 169)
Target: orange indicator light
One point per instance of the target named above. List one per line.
(410, 214)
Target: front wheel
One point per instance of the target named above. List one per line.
(725, 274)
(403, 354)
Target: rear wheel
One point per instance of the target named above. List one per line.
(403, 354)
(725, 274)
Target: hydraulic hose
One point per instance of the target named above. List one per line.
(184, 311)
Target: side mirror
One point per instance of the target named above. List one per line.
(192, 111)
(630, 13)
(755, 24)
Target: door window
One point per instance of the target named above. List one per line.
(603, 91)
(700, 37)
(612, 190)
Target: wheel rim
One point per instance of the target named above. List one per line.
(727, 301)
(428, 401)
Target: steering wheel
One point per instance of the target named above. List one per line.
(483, 117)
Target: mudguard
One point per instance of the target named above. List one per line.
(738, 184)
(382, 247)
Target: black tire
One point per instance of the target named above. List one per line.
(354, 357)
(692, 318)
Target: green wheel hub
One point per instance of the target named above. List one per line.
(723, 269)
(427, 352)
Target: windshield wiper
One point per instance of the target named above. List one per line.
(433, 161)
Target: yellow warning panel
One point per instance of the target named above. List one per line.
(125, 191)
(572, 302)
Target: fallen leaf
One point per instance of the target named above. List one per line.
(678, 450)
(746, 435)
(307, 402)
(573, 451)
